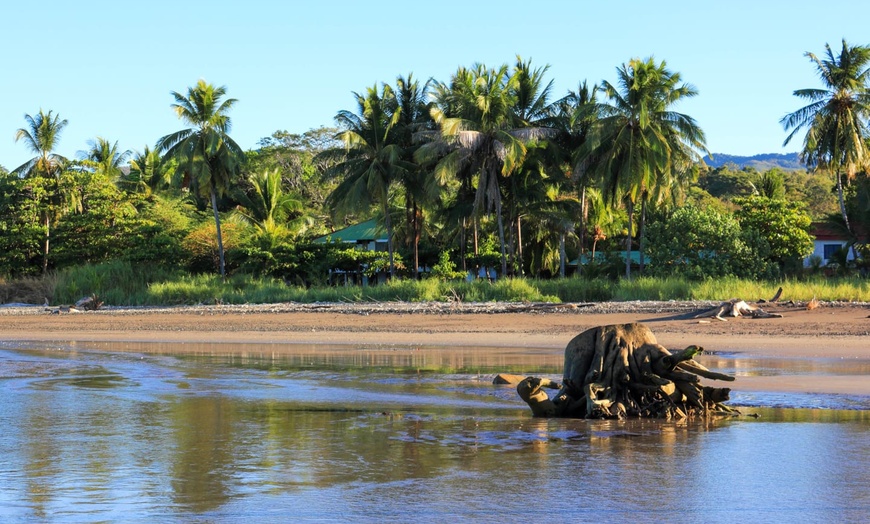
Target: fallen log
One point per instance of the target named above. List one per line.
(621, 371)
(736, 308)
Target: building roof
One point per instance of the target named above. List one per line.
(600, 257)
(363, 232)
(823, 231)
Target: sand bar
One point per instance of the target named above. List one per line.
(833, 331)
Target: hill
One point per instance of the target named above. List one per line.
(762, 162)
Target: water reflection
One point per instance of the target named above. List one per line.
(387, 433)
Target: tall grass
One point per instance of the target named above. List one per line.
(116, 282)
(123, 284)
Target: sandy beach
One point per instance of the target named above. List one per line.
(832, 331)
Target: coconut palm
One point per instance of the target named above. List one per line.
(371, 160)
(205, 151)
(419, 188)
(267, 207)
(572, 117)
(638, 140)
(147, 173)
(41, 136)
(105, 158)
(486, 117)
(835, 119)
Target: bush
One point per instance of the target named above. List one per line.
(699, 244)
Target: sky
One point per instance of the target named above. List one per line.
(109, 67)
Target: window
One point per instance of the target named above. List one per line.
(830, 249)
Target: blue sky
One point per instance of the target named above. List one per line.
(108, 67)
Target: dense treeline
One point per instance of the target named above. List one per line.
(490, 168)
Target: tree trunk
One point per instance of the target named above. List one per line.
(389, 224)
(45, 249)
(501, 237)
(842, 201)
(582, 235)
(220, 239)
(641, 230)
(630, 208)
(519, 271)
(476, 246)
(562, 254)
(462, 248)
(416, 226)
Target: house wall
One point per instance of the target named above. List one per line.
(819, 250)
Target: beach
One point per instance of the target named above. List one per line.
(838, 331)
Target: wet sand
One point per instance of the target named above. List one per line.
(829, 332)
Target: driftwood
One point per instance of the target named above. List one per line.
(621, 371)
(91, 303)
(736, 308)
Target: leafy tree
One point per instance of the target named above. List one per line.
(205, 152)
(100, 223)
(298, 158)
(639, 142)
(698, 243)
(21, 232)
(835, 119)
(783, 224)
(202, 248)
(41, 136)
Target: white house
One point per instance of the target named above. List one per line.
(827, 241)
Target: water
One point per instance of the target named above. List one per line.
(373, 434)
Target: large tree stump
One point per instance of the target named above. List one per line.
(621, 371)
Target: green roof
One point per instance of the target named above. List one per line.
(362, 232)
(600, 257)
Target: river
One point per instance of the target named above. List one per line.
(145, 432)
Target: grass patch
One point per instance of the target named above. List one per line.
(122, 284)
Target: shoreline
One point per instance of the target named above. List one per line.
(839, 331)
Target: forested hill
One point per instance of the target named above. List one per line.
(762, 162)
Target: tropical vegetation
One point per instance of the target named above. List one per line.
(489, 173)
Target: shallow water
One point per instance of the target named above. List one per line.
(375, 433)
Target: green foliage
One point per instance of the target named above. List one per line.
(21, 233)
(101, 225)
(578, 289)
(784, 226)
(210, 159)
(697, 244)
(117, 283)
(445, 269)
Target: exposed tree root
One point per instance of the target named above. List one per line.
(621, 371)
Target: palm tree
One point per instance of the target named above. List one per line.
(372, 159)
(573, 116)
(267, 206)
(104, 158)
(205, 151)
(418, 187)
(147, 173)
(480, 118)
(835, 119)
(41, 136)
(639, 141)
